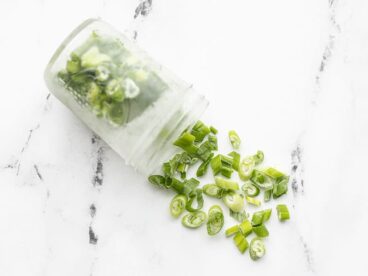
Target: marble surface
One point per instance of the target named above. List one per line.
(290, 76)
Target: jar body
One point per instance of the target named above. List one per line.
(129, 100)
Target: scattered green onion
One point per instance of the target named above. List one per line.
(194, 219)
(267, 195)
(234, 201)
(222, 164)
(280, 187)
(250, 189)
(200, 131)
(246, 167)
(202, 169)
(273, 173)
(261, 217)
(215, 220)
(226, 184)
(232, 230)
(261, 231)
(252, 201)
(213, 130)
(245, 227)
(236, 159)
(234, 139)
(177, 205)
(158, 180)
(186, 142)
(212, 140)
(195, 195)
(239, 216)
(282, 212)
(257, 249)
(241, 242)
(213, 190)
(261, 180)
(258, 157)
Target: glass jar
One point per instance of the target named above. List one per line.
(133, 103)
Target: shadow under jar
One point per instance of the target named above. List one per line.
(134, 104)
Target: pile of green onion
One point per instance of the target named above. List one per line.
(199, 145)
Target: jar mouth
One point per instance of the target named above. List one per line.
(65, 42)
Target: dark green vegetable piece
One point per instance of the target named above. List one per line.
(222, 164)
(200, 131)
(280, 187)
(195, 195)
(186, 142)
(213, 130)
(202, 169)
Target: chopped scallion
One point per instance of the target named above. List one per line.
(257, 249)
(252, 201)
(282, 212)
(234, 139)
(177, 205)
(194, 219)
(215, 220)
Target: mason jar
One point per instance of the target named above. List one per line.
(131, 101)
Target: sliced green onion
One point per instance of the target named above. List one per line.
(186, 142)
(212, 140)
(202, 169)
(280, 187)
(267, 195)
(177, 205)
(239, 216)
(234, 201)
(158, 180)
(258, 157)
(261, 231)
(215, 220)
(200, 130)
(246, 167)
(223, 164)
(234, 139)
(195, 195)
(273, 173)
(250, 189)
(252, 201)
(236, 159)
(232, 230)
(245, 227)
(261, 217)
(213, 190)
(213, 130)
(226, 184)
(257, 249)
(261, 180)
(241, 242)
(194, 219)
(282, 212)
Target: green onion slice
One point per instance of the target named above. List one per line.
(261, 231)
(258, 157)
(195, 195)
(202, 169)
(194, 219)
(261, 217)
(252, 201)
(239, 216)
(261, 180)
(200, 131)
(280, 187)
(226, 184)
(273, 173)
(282, 212)
(241, 242)
(246, 167)
(213, 190)
(257, 249)
(234, 201)
(234, 139)
(215, 220)
(250, 189)
(213, 130)
(236, 159)
(245, 227)
(232, 230)
(267, 195)
(177, 205)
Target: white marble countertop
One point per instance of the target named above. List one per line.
(290, 76)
